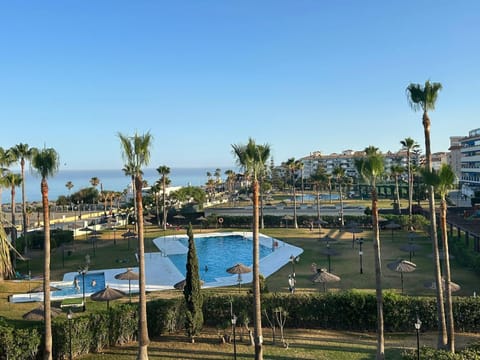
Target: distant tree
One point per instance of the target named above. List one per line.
(69, 185)
(191, 291)
(339, 175)
(319, 178)
(410, 145)
(423, 98)
(22, 153)
(46, 162)
(396, 170)
(12, 181)
(292, 165)
(189, 194)
(164, 171)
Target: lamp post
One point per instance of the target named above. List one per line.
(418, 325)
(234, 323)
(294, 259)
(83, 271)
(70, 318)
(360, 254)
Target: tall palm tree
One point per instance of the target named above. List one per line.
(423, 98)
(410, 145)
(252, 157)
(46, 163)
(339, 175)
(292, 166)
(12, 181)
(301, 166)
(164, 171)
(396, 170)
(371, 167)
(136, 154)
(263, 184)
(5, 161)
(69, 185)
(443, 181)
(230, 181)
(23, 152)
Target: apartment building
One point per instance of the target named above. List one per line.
(470, 162)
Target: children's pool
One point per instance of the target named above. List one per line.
(93, 282)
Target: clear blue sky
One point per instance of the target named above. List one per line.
(201, 75)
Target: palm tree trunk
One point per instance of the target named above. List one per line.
(342, 221)
(378, 276)
(47, 353)
(397, 189)
(262, 222)
(257, 318)
(143, 339)
(448, 291)
(24, 208)
(410, 187)
(164, 201)
(442, 327)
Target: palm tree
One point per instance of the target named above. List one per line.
(319, 177)
(263, 185)
(164, 171)
(301, 166)
(23, 152)
(410, 145)
(423, 98)
(371, 168)
(5, 161)
(396, 170)
(292, 166)
(339, 174)
(251, 157)
(46, 162)
(443, 181)
(231, 176)
(69, 185)
(136, 154)
(11, 181)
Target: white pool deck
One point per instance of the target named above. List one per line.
(162, 274)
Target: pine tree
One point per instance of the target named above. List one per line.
(191, 291)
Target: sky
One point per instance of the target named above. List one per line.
(201, 75)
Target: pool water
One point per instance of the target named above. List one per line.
(323, 197)
(94, 282)
(216, 254)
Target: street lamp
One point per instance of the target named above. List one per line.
(360, 254)
(234, 323)
(294, 259)
(70, 318)
(83, 271)
(418, 325)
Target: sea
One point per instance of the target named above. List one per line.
(111, 180)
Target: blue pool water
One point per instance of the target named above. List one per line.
(218, 253)
(94, 282)
(323, 197)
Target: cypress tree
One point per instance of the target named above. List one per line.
(191, 291)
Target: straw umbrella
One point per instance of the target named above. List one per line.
(107, 295)
(128, 275)
(410, 248)
(433, 286)
(239, 269)
(329, 252)
(128, 235)
(38, 314)
(402, 266)
(86, 230)
(353, 229)
(392, 226)
(286, 218)
(325, 277)
(181, 284)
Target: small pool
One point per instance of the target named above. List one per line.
(94, 281)
(218, 253)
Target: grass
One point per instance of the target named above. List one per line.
(303, 344)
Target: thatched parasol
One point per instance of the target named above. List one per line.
(410, 248)
(329, 252)
(128, 275)
(107, 295)
(432, 285)
(181, 284)
(353, 229)
(324, 277)
(402, 266)
(327, 239)
(392, 226)
(239, 269)
(286, 218)
(38, 314)
(39, 289)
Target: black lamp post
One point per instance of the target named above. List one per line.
(418, 325)
(294, 259)
(360, 254)
(83, 271)
(70, 318)
(234, 323)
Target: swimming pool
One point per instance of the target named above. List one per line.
(94, 281)
(217, 253)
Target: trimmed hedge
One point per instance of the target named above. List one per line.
(349, 310)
